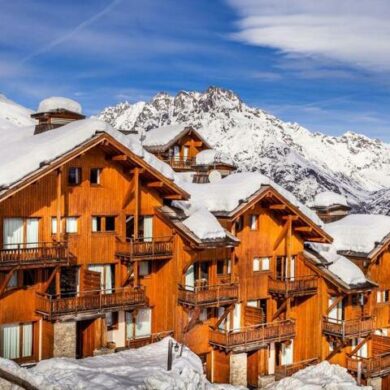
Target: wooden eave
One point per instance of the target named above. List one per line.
(186, 131)
(110, 145)
(271, 196)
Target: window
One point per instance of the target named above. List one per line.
(223, 267)
(112, 320)
(74, 176)
(16, 340)
(71, 224)
(96, 224)
(144, 268)
(383, 296)
(13, 282)
(94, 176)
(103, 224)
(261, 264)
(110, 224)
(139, 326)
(53, 225)
(253, 221)
(239, 224)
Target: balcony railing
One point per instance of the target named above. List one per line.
(208, 295)
(297, 286)
(138, 342)
(370, 367)
(35, 254)
(97, 301)
(290, 369)
(252, 337)
(156, 248)
(348, 328)
(180, 163)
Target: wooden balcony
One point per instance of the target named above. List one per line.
(290, 369)
(293, 287)
(180, 164)
(89, 303)
(139, 342)
(252, 337)
(156, 248)
(378, 365)
(208, 295)
(344, 329)
(35, 255)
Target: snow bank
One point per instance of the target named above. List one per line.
(211, 157)
(227, 194)
(143, 368)
(22, 152)
(323, 376)
(329, 198)
(162, 135)
(56, 102)
(359, 232)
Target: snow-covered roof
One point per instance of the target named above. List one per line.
(56, 103)
(228, 193)
(212, 157)
(328, 199)
(359, 233)
(22, 152)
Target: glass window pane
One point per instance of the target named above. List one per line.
(11, 341)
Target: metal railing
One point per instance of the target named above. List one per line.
(208, 294)
(348, 328)
(256, 334)
(54, 306)
(290, 369)
(46, 253)
(293, 286)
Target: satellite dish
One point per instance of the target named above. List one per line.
(214, 176)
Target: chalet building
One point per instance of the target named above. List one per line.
(330, 206)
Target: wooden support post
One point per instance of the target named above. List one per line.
(137, 202)
(364, 341)
(228, 309)
(136, 281)
(51, 278)
(334, 304)
(288, 247)
(281, 236)
(282, 307)
(58, 281)
(6, 280)
(58, 201)
(194, 319)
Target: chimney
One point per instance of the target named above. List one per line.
(330, 206)
(55, 112)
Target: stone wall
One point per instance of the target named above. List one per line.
(238, 369)
(65, 339)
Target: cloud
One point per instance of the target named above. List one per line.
(353, 32)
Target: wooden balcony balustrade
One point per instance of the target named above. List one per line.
(252, 337)
(89, 302)
(297, 286)
(139, 342)
(34, 255)
(344, 329)
(208, 295)
(156, 248)
(369, 367)
(180, 163)
(290, 369)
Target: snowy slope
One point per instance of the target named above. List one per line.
(303, 162)
(13, 114)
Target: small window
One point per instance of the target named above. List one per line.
(223, 267)
(53, 225)
(94, 176)
(74, 176)
(71, 225)
(144, 268)
(112, 320)
(261, 264)
(13, 282)
(253, 221)
(96, 224)
(110, 224)
(256, 264)
(239, 224)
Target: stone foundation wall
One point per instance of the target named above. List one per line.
(238, 369)
(65, 339)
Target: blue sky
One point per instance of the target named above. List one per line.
(325, 65)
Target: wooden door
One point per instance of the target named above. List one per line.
(85, 343)
(386, 382)
(252, 369)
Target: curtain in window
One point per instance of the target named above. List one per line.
(11, 341)
(32, 232)
(53, 225)
(71, 225)
(12, 232)
(190, 278)
(94, 224)
(129, 326)
(27, 340)
(143, 323)
(287, 353)
(108, 279)
(148, 228)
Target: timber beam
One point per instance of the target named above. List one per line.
(119, 157)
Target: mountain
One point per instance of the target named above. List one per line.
(303, 162)
(13, 114)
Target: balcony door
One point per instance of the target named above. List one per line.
(283, 270)
(287, 354)
(139, 326)
(147, 225)
(337, 313)
(363, 351)
(186, 152)
(176, 152)
(20, 231)
(106, 276)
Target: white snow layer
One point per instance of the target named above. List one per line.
(55, 102)
(211, 157)
(329, 198)
(323, 376)
(13, 114)
(227, 194)
(359, 232)
(143, 368)
(21, 152)
(162, 135)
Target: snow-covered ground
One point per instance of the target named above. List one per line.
(143, 368)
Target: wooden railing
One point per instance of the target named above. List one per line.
(290, 369)
(373, 366)
(293, 286)
(252, 336)
(45, 253)
(215, 295)
(179, 162)
(142, 341)
(100, 301)
(348, 328)
(146, 248)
